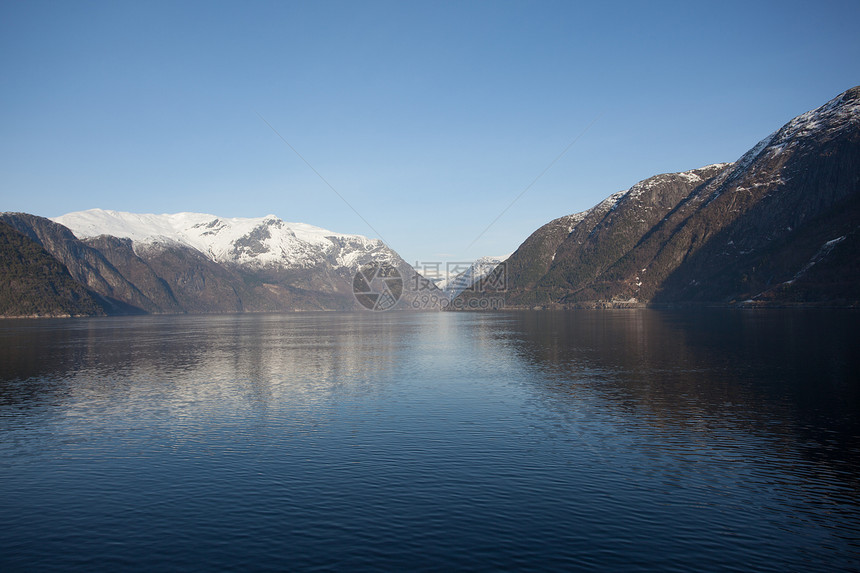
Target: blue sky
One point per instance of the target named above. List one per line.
(428, 117)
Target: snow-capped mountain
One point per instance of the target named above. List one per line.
(456, 283)
(255, 242)
(200, 263)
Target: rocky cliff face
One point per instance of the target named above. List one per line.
(34, 283)
(85, 264)
(779, 226)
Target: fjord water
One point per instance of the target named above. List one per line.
(626, 440)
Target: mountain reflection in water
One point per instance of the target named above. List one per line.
(618, 439)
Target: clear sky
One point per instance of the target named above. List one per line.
(428, 117)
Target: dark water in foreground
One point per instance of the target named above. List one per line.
(631, 440)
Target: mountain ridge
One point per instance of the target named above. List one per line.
(730, 237)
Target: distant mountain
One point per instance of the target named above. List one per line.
(198, 263)
(779, 226)
(251, 242)
(452, 286)
(33, 283)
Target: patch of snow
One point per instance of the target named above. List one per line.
(610, 203)
(573, 220)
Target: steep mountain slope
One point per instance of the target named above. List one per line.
(607, 234)
(762, 228)
(772, 214)
(532, 260)
(157, 293)
(85, 264)
(33, 283)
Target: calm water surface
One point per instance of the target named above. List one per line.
(625, 440)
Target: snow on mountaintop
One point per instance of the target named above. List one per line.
(836, 115)
(258, 241)
(574, 219)
(690, 176)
